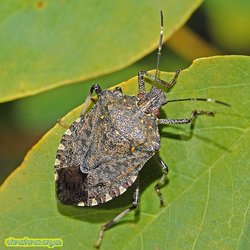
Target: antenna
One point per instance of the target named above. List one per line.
(159, 48)
(199, 99)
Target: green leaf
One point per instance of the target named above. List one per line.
(45, 44)
(45, 108)
(228, 33)
(207, 194)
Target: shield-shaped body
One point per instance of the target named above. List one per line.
(101, 153)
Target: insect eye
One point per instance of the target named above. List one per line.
(156, 112)
(141, 95)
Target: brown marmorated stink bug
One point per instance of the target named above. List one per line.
(103, 151)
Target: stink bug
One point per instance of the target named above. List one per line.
(103, 151)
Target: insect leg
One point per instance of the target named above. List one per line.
(162, 180)
(119, 89)
(141, 81)
(194, 114)
(121, 215)
(93, 88)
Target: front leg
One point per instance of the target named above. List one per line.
(141, 81)
(93, 88)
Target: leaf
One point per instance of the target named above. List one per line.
(228, 33)
(207, 192)
(59, 101)
(45, 44)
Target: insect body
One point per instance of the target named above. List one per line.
(102, 152)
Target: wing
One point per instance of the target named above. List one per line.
(70, 180)
(112, 178)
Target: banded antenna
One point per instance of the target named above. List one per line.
(159, 48)
(199, 99)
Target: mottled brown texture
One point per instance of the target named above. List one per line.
(106, 150)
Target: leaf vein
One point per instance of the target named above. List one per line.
(205, 209)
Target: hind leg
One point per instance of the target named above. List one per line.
(108, 225)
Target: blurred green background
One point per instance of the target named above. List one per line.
(216, 27)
